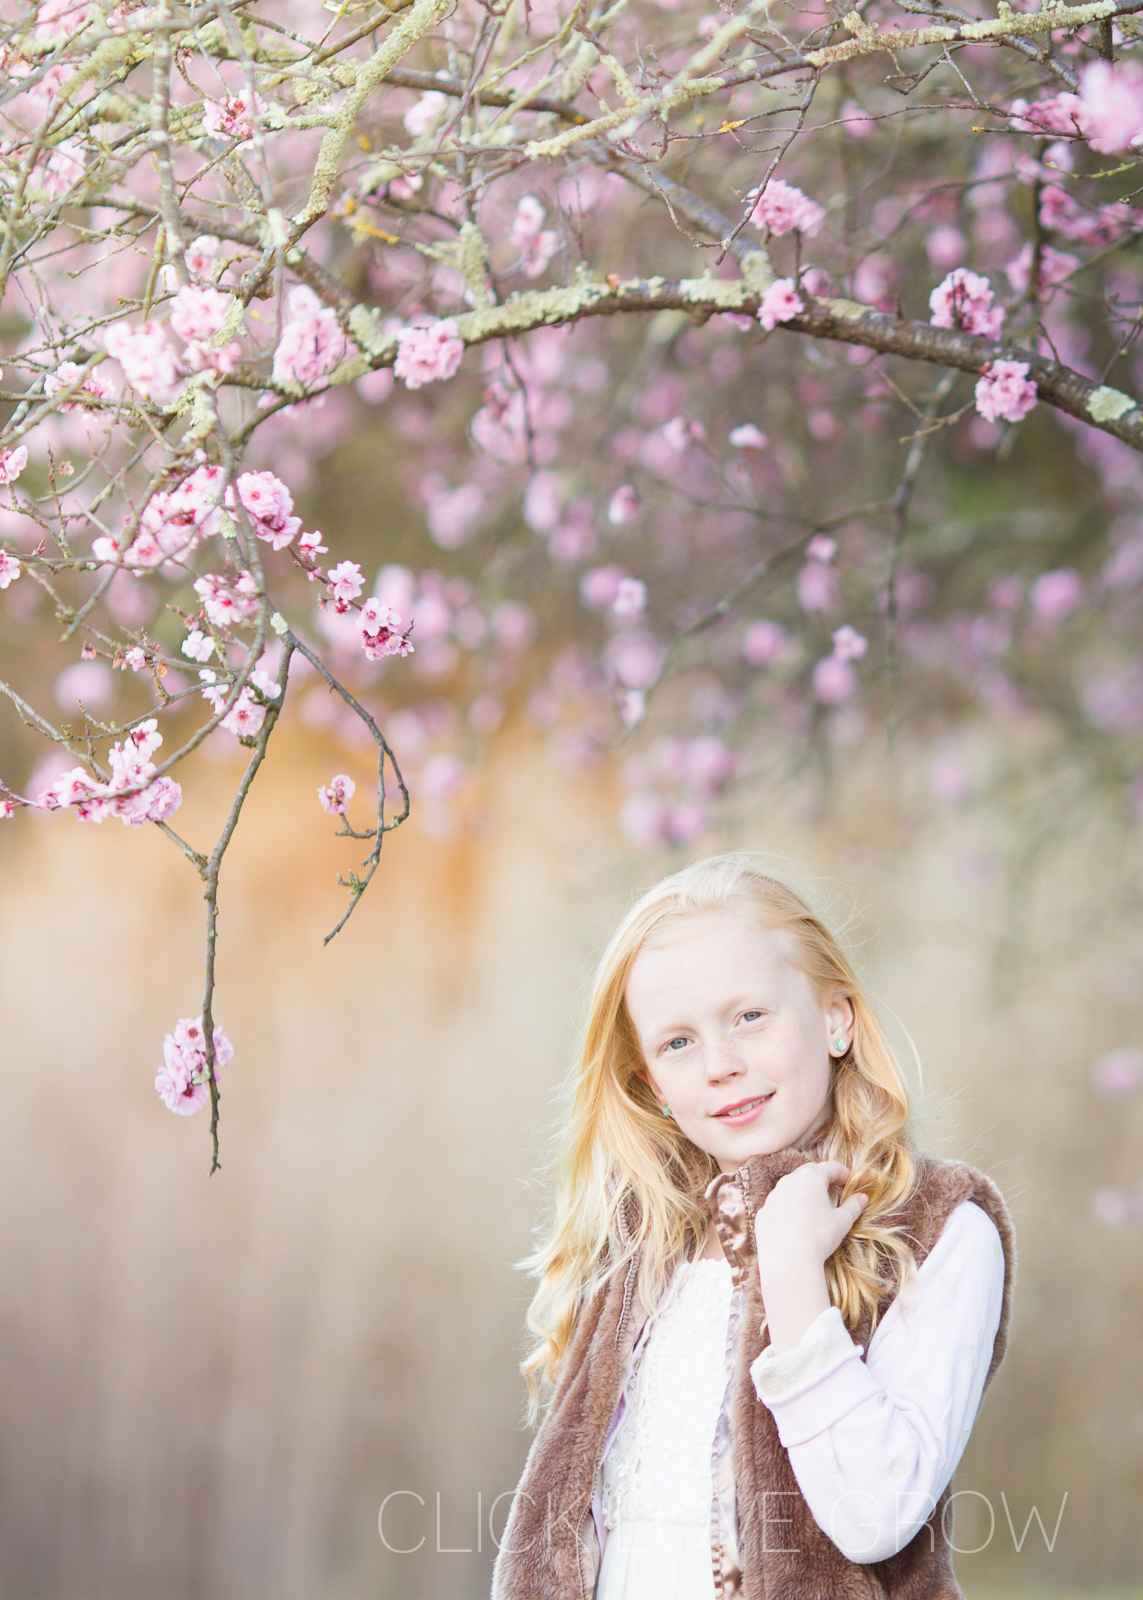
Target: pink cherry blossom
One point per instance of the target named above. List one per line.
(245, 717)
(228, 603)
(269, 505)
(1111, 104)
(1060, 114)
(1055, 595)
(964, 300)
(834, 680)
(782, 208)
(452, 515)
(63, 169)
(380, 631)
(636, 659)
(233, 118)
(345, 582)
(421, 116)
(623, 506)
(12, 463)
(337, 796)
(428, 354)
(946, 247)
(200, 259)
(1055, 266)
(708, 765)
(68, 373)
(7, 809)
(9, 569)
(821, 548)
(780, 302)
(599, 586)
(135, 659)
(309, 547)
(763, 642)
(535, 243)
(147, 359)
(1005, 391)
(173, 522)
(197, 314)
(1118, 1074)
(312, 342)
(848, 644)
(817, 586)
(680, 432)
(198, 646)
(632, 707)
(630, 598)
(183, 1080)
(748, 437)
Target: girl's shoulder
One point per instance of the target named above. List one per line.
(941, 1189)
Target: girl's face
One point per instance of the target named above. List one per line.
(735, 1038)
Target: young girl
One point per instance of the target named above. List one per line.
(759, 1388)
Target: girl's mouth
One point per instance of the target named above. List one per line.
(745, 1110)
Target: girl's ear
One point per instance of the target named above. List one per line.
(841, 1022)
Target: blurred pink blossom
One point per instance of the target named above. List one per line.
(848, 644)
(337, 796)
(748, 437)
(763, 642)
(643, 819)
(1055, 266)
(426, 355)
(536, 244)
(200, 258)
(680, 432)
(636, 659)
(197, 314)
(1004, 390)
(946, 247)
(630, 598)
(817, 587)
(9, 569)
(783, 208)
(147, 359)
(12, 463)
(599, 586)
(1115, 1205)
(1055, 595)
(1111, 104)
(513, 625)
(87, 685)
(1118, 1074)
(67, 373)
(1059, 114)
(834, 680)
(452, 515)
(623, 505)
(780, 303)
(312, 342)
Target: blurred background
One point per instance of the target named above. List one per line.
(211, 1385)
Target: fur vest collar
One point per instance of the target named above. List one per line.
(549, 1550)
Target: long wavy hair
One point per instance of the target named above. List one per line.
(626, 1183)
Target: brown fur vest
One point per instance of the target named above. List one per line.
(549, 1550)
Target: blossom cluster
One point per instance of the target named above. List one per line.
(183, 1080)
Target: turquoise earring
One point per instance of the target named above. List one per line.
(666, 1110)
(839, 1044)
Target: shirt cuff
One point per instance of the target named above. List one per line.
(825, 1346)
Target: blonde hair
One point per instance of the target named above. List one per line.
(628, 1183)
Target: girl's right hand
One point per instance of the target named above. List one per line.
(800, 1223)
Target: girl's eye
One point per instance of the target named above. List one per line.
(751, 1016)
(677, 1044)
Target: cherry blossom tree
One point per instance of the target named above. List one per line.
(759, 378)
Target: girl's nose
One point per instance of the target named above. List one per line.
(723, 1060)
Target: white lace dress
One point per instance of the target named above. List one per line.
(656, 1476)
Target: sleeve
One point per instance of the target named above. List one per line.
(874, 1443)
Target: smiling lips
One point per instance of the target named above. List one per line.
(744, 1110)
